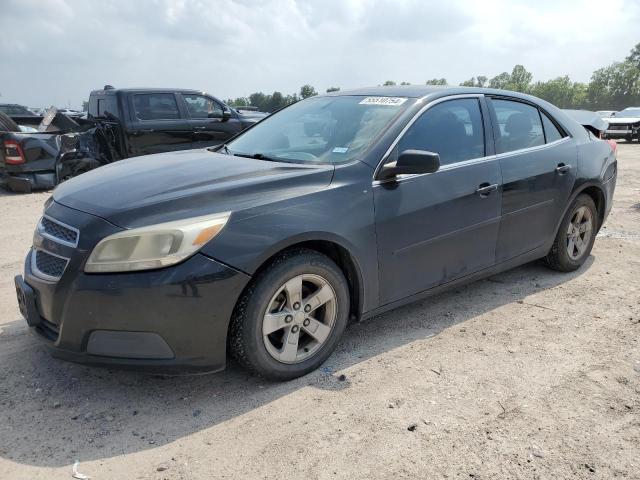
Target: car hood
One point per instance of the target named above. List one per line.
(171, 186)
(622, 120)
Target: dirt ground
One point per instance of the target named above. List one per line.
(529, 374)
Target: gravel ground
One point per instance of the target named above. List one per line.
(529, 374)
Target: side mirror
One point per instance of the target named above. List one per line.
(226, 115)
(411, 162)
(216, 115)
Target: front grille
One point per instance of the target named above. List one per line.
(59, 231)
(50, 265)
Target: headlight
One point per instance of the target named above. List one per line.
(155, 246)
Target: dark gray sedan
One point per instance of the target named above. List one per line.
(338, 207)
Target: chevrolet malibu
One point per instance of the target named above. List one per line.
(338, 207)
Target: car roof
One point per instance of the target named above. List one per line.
(428, 91)
(147, 90)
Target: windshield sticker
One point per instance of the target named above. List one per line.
(340, 150)
(391, 101)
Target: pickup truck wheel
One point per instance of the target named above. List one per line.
(575, 236)
(7, 124)
(291, 317)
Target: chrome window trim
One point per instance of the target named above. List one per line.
(474, 161)
(42, 232)
(40, 274)
(453, 165)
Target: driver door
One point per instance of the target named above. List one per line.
(437, 227)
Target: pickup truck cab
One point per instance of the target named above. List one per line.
(161, 120)
(120, 123)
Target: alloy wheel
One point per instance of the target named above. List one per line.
(299, 318)
(579, 232)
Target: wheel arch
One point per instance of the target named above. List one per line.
(597, 194)
(336, 250)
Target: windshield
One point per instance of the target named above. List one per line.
(319, 129)
(629, 112)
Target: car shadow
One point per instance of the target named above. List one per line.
(54, 412)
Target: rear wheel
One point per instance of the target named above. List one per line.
(290, 319)
(575, 236)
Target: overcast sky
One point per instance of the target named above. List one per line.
(56, 51)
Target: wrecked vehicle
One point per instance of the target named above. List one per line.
(266, 246)
(15, 109)
(593, 123)
(624, 124)
(120, 123)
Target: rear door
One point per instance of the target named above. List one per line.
(209, 125)
(434, 228)
(157, 124)
(538, 161)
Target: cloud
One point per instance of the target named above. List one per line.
(56, 51)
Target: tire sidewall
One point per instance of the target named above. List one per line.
(265, 288)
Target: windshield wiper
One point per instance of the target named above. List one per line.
(258, 156)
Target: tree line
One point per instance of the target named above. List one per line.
(611, 88)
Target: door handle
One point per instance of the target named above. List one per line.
(486, 188)
(562, 168)
(199, 128)
(140, 132)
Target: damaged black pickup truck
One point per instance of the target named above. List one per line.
(40, 152)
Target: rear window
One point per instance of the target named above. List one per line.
(156, 106)
(550, 130)
(519, 125)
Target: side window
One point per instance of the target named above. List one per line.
(551, 132)
(155, 106)
(200, 106)
(519, 126)
(452, 129)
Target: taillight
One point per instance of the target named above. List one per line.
(613, 145)
(13, 154)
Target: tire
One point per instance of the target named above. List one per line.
(572, 246)
(268, 354)
(7, 124)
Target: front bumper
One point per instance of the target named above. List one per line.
(172, 320)
(627, 134)
(26, 182)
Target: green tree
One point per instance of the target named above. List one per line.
(405, 83)
(333, 89)
(562, 92)
(634, 56)
(479, 81)
(85, 106)
(307, 91)
(389, 83)
(520, 79)
(258, 99)
(500, 81)
(614, 87)
(436, 81)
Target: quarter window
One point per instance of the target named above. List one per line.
(551, 132)
(452, 129)
(519, 126)
(156, 106)
(200, 106)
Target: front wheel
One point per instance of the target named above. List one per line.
(290, 319)
(575, 236)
